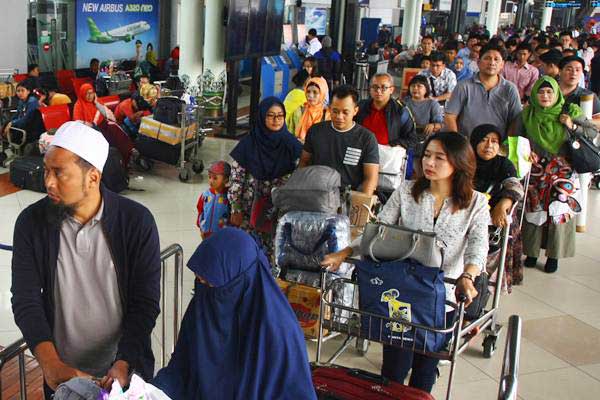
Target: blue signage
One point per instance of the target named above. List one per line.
(564, 4)
(109, 29)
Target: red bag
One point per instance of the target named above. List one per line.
(260, 218)
(349, 383)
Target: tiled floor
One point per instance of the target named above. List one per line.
(560, 354)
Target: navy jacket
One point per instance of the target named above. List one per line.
(133, 240)
(400, 123)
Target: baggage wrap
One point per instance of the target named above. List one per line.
(170, 134)
(28, 173)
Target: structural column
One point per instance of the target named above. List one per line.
(416, 29)
(408, 22)
(546, 18)
(493, 16)
(191, 38)
(175, 14)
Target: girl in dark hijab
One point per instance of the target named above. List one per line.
(496, 176)
(262, 161)
(239, 338)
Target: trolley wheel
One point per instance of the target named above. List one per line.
(198, 166)
(489, 346)
(185, 175)
(362, 346)
(598, 183)
(144, 164)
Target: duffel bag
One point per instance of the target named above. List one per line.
(392, 160)
(167, 110)
(314, 188)
(402, 290)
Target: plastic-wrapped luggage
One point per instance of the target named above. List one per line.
(303, 238)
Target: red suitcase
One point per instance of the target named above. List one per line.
(339, 383)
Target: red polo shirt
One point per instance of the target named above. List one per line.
(376, 123)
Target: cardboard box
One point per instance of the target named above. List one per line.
(360, 206)
(306, 303)
(165, 133)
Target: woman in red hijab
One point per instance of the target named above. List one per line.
(87, 108)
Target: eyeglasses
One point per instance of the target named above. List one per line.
(376, 88)
(275, 116)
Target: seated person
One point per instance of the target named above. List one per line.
(461, 70)
(87, 108)
(442, 80)
(150, 94)
(344, 145)
(295, 97)
(33, 76)
(92, 321)
(313, 110)
(55, 98)
(130, 111)
(239, 337)
(27, 116)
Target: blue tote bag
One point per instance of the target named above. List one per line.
(402, 290)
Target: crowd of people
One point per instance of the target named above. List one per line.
(458, 114)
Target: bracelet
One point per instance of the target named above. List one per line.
(467, 275)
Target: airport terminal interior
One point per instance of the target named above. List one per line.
(180, 89)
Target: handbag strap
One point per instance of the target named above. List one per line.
(380, 233)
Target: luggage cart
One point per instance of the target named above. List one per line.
(461, 331)
(188, 162)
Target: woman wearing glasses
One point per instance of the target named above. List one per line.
(262, 160)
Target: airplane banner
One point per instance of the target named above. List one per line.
(109, 29)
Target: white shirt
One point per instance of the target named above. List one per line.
(313, 46)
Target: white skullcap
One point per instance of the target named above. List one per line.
(84, 141)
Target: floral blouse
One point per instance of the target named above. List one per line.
(464, 232)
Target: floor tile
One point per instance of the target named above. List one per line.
(562, 384)
(591, 281)
(593, 370)
(525, 305)
(485, 389)
(563, 294)
(566, 337)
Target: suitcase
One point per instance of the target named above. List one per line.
(341, 383)
(115, 175)
(28, 173)
(167, 110)
(157, 150)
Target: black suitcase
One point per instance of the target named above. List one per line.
(28, 173)
(157, 150)
(115, 176)
(167, 110)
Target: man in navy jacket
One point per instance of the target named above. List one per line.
(85, 269)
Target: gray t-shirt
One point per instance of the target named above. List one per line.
(88, 309)
(425, 112)
(475, 106)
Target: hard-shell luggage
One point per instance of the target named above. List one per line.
(28, 173)
(157, 150)
(339, 383)
(167, 110)
(303, 238)
(115, 175)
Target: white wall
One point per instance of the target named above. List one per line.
(13, 40)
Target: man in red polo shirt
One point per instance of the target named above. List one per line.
(386, 117)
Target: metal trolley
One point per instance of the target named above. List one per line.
(189, 162)
(357, 324)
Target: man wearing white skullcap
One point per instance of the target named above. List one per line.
(85, 269)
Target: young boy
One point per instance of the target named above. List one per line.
(213, 207)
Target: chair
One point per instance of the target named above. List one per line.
(20, 77)
(65, 84)
(110, 101)
(54, 116)
(407, 75)
(77, 82)
(23, 142)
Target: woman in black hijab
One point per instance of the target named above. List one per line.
(496, 176)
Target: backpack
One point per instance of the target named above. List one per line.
(114, 175)
(315, 188)
(167, 110)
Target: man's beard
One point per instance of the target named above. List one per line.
(56, 213)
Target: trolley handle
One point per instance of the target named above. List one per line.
(369, 376)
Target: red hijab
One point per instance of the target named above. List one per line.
(86, 110)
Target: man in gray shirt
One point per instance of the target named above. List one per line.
(85, 269)
(486, 98)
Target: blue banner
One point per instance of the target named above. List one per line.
(109, 29)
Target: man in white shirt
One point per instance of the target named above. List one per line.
(313, 42)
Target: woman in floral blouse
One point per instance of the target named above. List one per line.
(261, 161)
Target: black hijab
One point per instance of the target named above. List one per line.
(490, 173)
